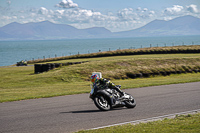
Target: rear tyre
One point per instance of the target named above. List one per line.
(102, 103)
(130, 103)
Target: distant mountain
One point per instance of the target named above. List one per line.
(47, 30)
(98, 31)
(186, 25)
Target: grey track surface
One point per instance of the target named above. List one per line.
(76, 112)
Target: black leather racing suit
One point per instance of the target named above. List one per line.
(103, 83)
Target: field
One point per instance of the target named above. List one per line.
(19, 83)
(181, 124)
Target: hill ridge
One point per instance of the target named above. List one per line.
(45, 30)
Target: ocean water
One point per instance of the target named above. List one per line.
(14, 51)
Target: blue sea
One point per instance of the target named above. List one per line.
(14, 51)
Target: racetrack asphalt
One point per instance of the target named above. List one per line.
(71, 113)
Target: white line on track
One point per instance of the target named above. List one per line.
(150, 119)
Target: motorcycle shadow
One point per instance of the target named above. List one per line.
(93, 111)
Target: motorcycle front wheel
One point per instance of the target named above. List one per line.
(130, 103)
(102, 103)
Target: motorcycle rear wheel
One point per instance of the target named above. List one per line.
(102, 103)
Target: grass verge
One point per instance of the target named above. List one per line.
(43, 88)
(152, 50)
(181, 124)
(19, 83)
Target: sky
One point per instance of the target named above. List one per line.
(114, 15)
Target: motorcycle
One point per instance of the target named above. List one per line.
(107, 98)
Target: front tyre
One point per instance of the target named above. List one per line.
(130, 103)
(102, 103)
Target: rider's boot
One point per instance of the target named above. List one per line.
(123, 95)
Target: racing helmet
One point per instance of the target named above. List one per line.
(94, 78)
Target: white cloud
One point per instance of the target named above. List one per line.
(167, 18)
(67, 4)
(145, 9)
(86, 13)
(139, 9)
(61, 12)
(192, 8)
(14, 17)
(43, 11)
(176, 9)
(22, 17)
(82, 15)
(70, 13)
(128, 14)
(8, 2)
(6, 18)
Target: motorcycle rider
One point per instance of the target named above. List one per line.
(103, 83)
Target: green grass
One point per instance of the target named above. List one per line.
(180, 124)
(19, 83)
